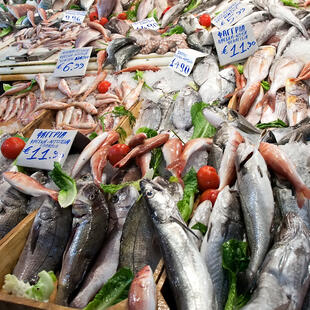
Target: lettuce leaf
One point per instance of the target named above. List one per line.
(175, 30)
(201, 227)
(113, 188)
(156, 159)
(150, 133)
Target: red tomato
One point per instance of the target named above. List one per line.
(117, 152)
(205, 20)
(103, 87)
(93, 16)
(11, 147)
(209, 194)
(166, 9)
(122, 16)
(207, 178)
(103, 21)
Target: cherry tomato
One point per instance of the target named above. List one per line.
(205, 20)
(207, 178)
(209, 194)
(166, 9)
(11, 147)
(117, 152)
(93, 16)
(103, 21)
(103, 87)
(122, 16)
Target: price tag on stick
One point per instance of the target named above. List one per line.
(235, 43)
(74, 16)
(184, 60)
(46, 146)
(72, 62)
(148, 23)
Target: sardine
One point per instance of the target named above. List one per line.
(186, 271)
(46, 242)
(225, 223)
(257, 205)
(107, 260)
(89, 227)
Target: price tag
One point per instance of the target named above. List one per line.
(46, 146)
(235, 43)
(184, 60)
(148, 23)
(72, 62)
(74, 16)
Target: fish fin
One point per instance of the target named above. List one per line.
(183, 226)
(35, 236)
(301, 194)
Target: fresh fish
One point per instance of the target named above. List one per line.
(132, 97)
(206, 69)
(40, 78)
(19, 10)
(89, 227)
(142, 292)
(181, 115)
(189, 23)
(3, 105)
(269, 31)
(277, 161)
(225, 223)
(46, 242)
(107, 260)
(215, 157)
(85, 36)
(186, 271)
(255, 113)
(137, 139)
(281, 70)
(138, 243)
(257, 205)
(201, 215)
(99, 28)
(92, 86)
(300, 130)
(285, 279)
(105, 8)
(254, 18)
(297, 101)
(28, 185)
(160, 6)
(122, 56)
(64, 88)
(52, 105)
(201, 41)
(259, 63)
(86, 4)
(86, 106)
(173, 13)
(172, 150)
(87, 153)
(16, 88)
(143, 162)
(145, 7)
(141, 149)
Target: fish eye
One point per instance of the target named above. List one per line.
(114, 199)
(149, 194)
(92, 196)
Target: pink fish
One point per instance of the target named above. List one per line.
(16, 88)
(279, 163)
(142, 292)
(86, 106)
(28, 185)
(305, 73)
(133, 96)
(64, 88)
(137, 139)
(101, 57)
(52, 105)
(143, 162)
(99, 28)
(40, 78)
(100, 77)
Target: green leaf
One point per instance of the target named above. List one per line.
(190, 189)
(66, 185)
(122, 111)
(113, 188)
(175, 96)
(275, 124)
(122, 133)
(21, 137)
(173, 179)
(201, 227)
(290, 3)
(5, 31)
(202, 128)
(101, 119)
(153, 13)
(265, 85)
(114, 291)
(217, 13)
(156, 159)
(6, 87)
(93, 135)
(150, 133)
(132, 14)
(3, 7)
(75, 7)
(20, 20)
(192, 5)
(240, 68)
(175, 30)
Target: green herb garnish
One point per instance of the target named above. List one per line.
(265, 85)
(192, 5)
(175, 30)
(290, 3)
(139, 76)
(150, 133)
(275, 124)
(201, 227)
(93, 135)
(122, 111)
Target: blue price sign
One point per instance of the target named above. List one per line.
(235, 43)
(74, 16)
(72, 62)
(46, 146)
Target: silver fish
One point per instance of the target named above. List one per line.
(257, 204)
(285, 277)
(105, 8)
(86, 4)
(206, 69)
(86, 36)
(123, 55)
(187, 273)
(145, 7)
(174, 12)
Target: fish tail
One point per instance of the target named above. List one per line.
(302, 194)
(248, 97)
(268, 99)
(177, 166)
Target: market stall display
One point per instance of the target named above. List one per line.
(194, 165)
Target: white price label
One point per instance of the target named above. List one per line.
(46, 146)
(74, 16)
(235, 43)
(148, 23)
(236, 11)
(72, 62)
(184, 60)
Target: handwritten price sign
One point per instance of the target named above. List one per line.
(46, 146)
(72, 62)
(231, 15)
(184, 60)
(74, 16)
(148, 23)
(235, 43)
